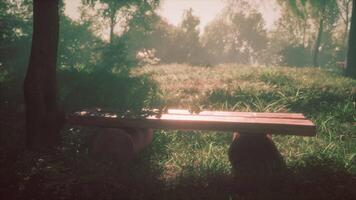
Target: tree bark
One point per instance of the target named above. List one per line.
(304, 32)
(318, 42)
(351, 54)
(112, 26)
(305, 20)
(346, 24)
(344, 12)
(40, 89)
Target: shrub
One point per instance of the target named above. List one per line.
(296, 56)
(114, 91)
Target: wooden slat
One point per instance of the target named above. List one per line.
(232, 119)
(240, 114)
(197, 122)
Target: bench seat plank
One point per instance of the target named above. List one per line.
(240, 114)
(232, 119)
(223, 122)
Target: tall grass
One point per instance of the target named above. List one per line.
(194, 164)
(325, 98)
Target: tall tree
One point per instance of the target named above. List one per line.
(351, 54)
(188, 36)
(344, 7)
(40, 90)
(324, 13)
(319, 35)
(111, 13)
(121, 11)
(237, 36)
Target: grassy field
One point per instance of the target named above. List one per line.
(193, 164)
(328, 99)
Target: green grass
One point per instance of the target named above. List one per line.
(194, 164)
(327, 99)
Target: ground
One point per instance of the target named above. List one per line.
(194, 165)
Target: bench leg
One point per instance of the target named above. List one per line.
(255, 155)
(255, 160)
(120, 145)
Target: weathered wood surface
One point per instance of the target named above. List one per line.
(275, 123)
(240, 114)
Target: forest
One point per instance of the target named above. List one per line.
(126, 57)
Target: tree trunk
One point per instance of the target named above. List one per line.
(318, 42)
(40, 89)
(351, 54)
(112, 26)
(305, 20)
(304, 32)
(346, 24)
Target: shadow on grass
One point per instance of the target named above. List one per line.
(64, 174)
(45, 176)
(325, 179)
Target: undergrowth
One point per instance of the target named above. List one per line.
(329, 100)
(194, 164)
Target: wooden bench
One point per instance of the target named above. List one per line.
(243, 122)
(254, 126)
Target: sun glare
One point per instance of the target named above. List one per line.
(206, 10)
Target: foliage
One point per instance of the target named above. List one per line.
(194, 164)
(127, 14)
(176, 44)
(187, 47)
(325, 98)
(314, 19)
(78, 47)
(15, 34)
(296, 56)
(101, 89)
(351, 61)
(237, 37)
(325, 10)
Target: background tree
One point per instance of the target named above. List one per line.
(237, 36)
(345, 15)
(101, 67)
(319, 20)
(186, 39)
(78, 46)
(351, 54)
(111, 11)
(324, 13)
(178, 44)
(15, 41)
(291, 41)
(134, 19)
(114, 13)
(214, 40)
(161, 39)
(140, 25)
